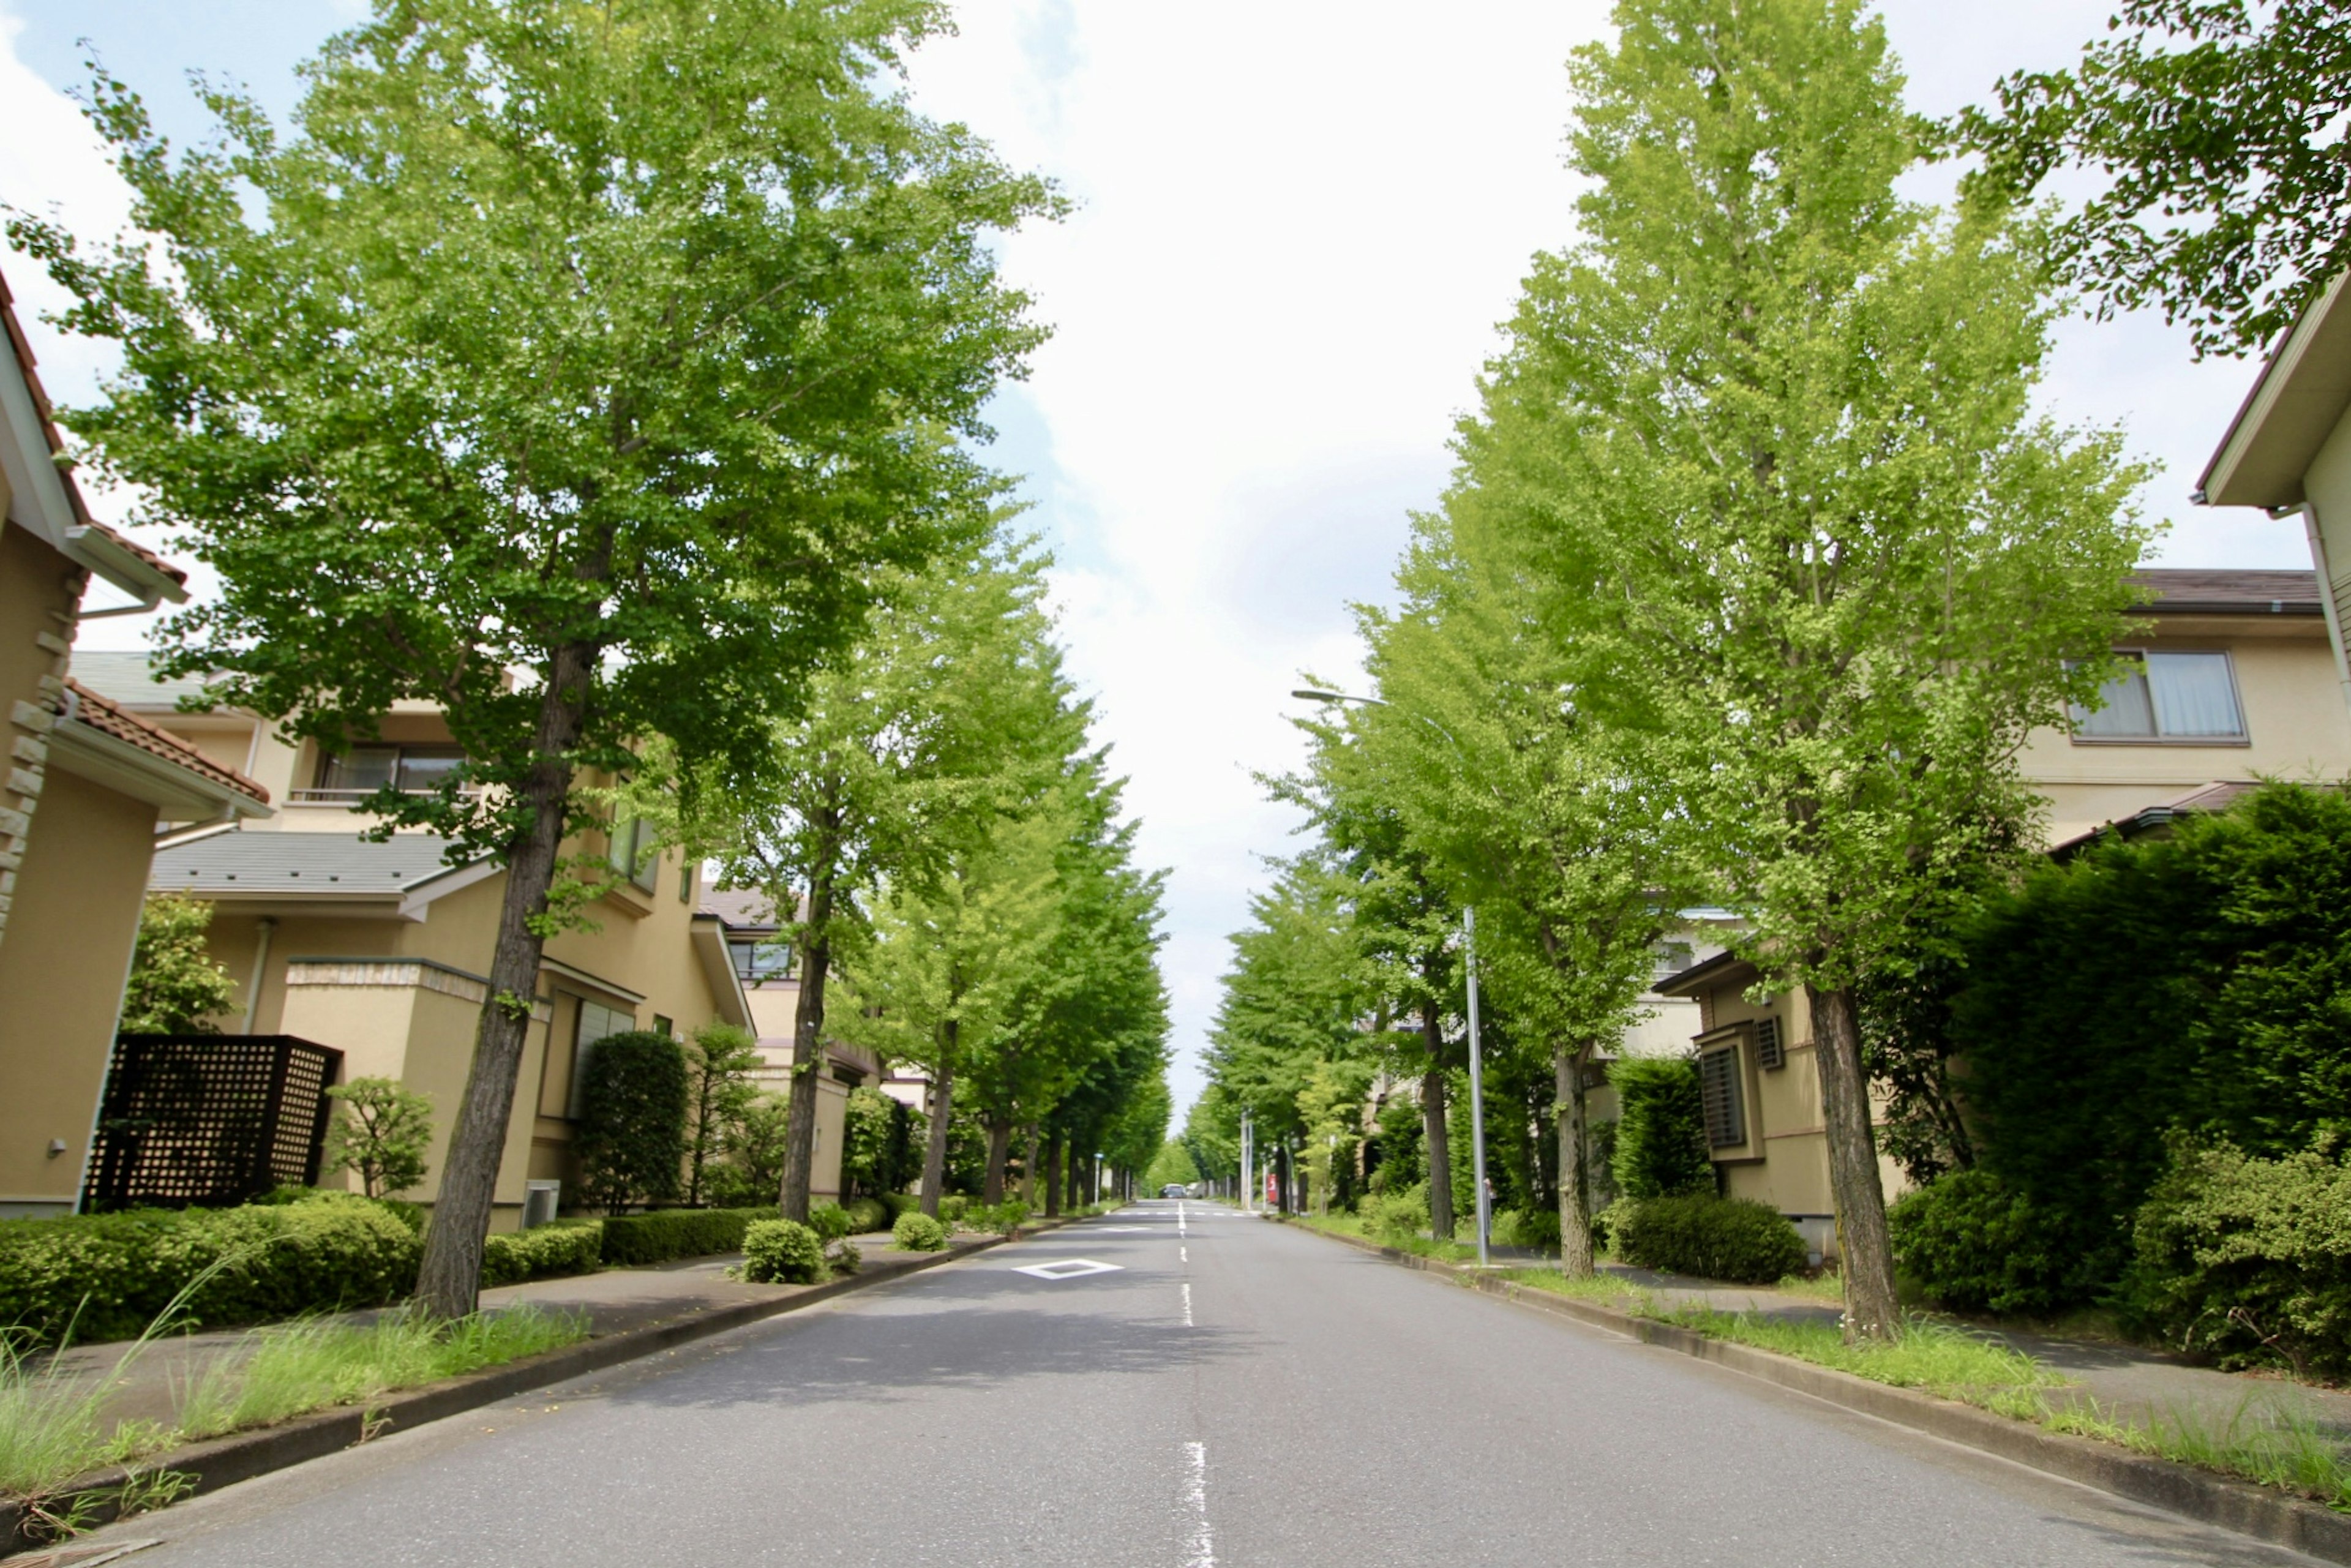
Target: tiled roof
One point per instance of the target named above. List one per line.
(743, 909)
(22, 349)
(227, 863)
(130, 679)
(103, 714)
(2188, 590)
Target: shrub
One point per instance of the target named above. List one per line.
(952, 1206)
(918, 1232)
(844, 1258)
(1536, 1228)
(1975, 1245)
(782, 1251)
(1396, 1218)
(174, 987)
(1002, 1219)
(828, 1221)
(1660, 1140)
(2248, 1260)
(510, 1259)
(867, 1215)
(634, 1239)
(1712, 1237)
(325, 1253)
(879, 1148)
(631, 1136)
(380, 1133)
(899, 1203)
(753, 1170)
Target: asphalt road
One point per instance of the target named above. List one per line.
(1228, 1392)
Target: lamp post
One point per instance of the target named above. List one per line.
(1248, 1165)
(1470, 953)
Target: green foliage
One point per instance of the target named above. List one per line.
(1661, 1150)
(107, 1276)
(565, 1247)
(380, 1133)
(1396, 1217)
(867, 1215)
(1737, 1240)
(2220, 194)
(1002, 1219)
(952, 1206)
(719, 1093)
(901, 1203)
(633, 1240)
(918, 1232)
(828, 1221)
(753, 1169)
(843, 1258)
(783, 1252)
(1402, 1146)
(174, 988)
(2248, 1260)
(1976, 1246)
(630, 1141)
(1172, 1165)
(881, 1151)
(2200, 982)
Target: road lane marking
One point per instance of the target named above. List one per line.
(1201, 1552)
(1179, 1219)
(1183, 1254)
(1187, 1304)
(1067, 1268)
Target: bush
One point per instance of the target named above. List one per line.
(2248, 1260)
(327, 1253)
(828, 1221)
(380, 1133)
(542, 1253)
(1395, 1217)
(635, 1239)
(1975, 1245)
(918, 1232)
(899, 1203)
(1536, 1228)
(632, 1137)
(1003, 1218)
(782, 1251)
(1660, 1140)
(844, 1258)
(867, 1215)
(952, 1206)
(1731, 1239)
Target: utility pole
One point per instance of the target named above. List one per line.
(1477, 1089)
(1248, 1165)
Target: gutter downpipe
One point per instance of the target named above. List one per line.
(265, 926)
(2309, 511)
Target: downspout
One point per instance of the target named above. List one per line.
(2309, 511)
(265, 926)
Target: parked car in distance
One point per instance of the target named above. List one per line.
(1173, 1189)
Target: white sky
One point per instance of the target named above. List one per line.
(1297, 221)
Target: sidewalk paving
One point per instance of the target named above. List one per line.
(614, 1299)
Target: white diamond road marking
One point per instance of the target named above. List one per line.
(1068, 1269)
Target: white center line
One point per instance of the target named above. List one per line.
(1201, 1550)
(1183, 1254)
(1187, 1304)
(1179, 1219)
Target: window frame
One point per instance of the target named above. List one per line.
(2242, 739)
(1734, 1080)
(329, 762)
(751, 973)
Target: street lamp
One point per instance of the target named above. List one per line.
(1469, 954)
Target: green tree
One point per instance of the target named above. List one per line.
(1765, 444)
(1661, 1149)
(754, 1162)
(176, 988)
(380, 1134)
(878, 1152)
(1172, 1165)
(630, 1139)
(719, 1061)
(616, 345)
(2218, 128)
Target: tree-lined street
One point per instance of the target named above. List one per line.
(1319, 1407)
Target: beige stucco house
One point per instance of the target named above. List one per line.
(86, 786)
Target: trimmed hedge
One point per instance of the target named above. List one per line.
(1660, 1149)
(828, 1221)
(918, 1232)
(867, 1215)
(899, 1203)
(1732, 1239)
(510, 1259)
(107, 1276)
(1975, 1245)
(636, 1240)
(782, 1251)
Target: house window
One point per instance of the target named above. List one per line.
(2166, 696)
(636, 852)
(1719, 1088)
(596, 1022)
(762, 960)
(364, 770)
(1768, 1050)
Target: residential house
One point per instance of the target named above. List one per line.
(769, 969)
(2232, 682)
(86, 786)
(381, 950)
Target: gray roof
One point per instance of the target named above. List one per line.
(239, 863)
(128, 679)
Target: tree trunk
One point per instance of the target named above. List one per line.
(999, 1149)
(1053, 1176)
(449, 1280)
(1574, 1162)
(1282, 1177)
(1867, 1264)
(1073, 1176)
(935, 1148)
(807, 1051)
(1028, 1166)
(1432, 1122)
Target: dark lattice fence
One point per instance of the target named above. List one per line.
(209, 1119)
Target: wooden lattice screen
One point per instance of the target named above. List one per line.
(207, 1119)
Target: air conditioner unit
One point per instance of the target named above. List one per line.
(539, 1202)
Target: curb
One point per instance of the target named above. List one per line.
(2224, 1501)
(217, 1462)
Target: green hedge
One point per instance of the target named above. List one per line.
(542, 1253)
(782, 1251)
(1734, 1238)
(867, 1215)
(2248, 1260)
(828, 1221)
(899, 1203)
(1975, 1245)
(635, 1239)
(918, 1232)
(118, 1272)
(1660, 1149)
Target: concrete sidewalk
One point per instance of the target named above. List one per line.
(156, 1382)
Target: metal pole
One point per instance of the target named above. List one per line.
(1248, 1166)
(1477, 1088)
